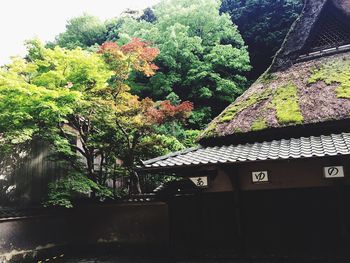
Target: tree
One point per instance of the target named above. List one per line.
(263, 25)
(148, 15)
(42, 95)
(202, 56)
(83, 31)
(79, 102)
(140, 120)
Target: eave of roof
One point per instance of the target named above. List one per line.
(293, 148)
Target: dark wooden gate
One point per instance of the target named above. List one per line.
(203, 221)
(297, 222)
(310, 222)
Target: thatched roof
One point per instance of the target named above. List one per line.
(343, 5)
(308, 92)
(297, 89)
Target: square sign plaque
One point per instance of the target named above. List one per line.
(334, 172)
(200, 181)
(260, 177)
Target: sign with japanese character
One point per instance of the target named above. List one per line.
(334, 172)
(260, 177)
(200, 181)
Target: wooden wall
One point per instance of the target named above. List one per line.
(298, 214)
(287, 174)
(48, 235)
(24, 180)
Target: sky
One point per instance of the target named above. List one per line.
(44, 19)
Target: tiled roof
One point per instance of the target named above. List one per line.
(304, 147)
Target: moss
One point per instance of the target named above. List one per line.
(259, 124)
(334, 72)
(209, 131)
(343, 92)
(286, 104)
(267, 78)
(234, 109)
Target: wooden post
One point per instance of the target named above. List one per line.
(341, 206)
(235, 180)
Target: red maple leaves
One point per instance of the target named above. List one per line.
(137, 54)
(166, 112)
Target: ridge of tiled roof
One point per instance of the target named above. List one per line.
(171, 155)
(293, 148)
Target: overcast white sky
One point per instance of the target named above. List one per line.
(25, 19)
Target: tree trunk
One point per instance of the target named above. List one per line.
(114, 179)
(135, 187)
(137, 182)
(91, 175)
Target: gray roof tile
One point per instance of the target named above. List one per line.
(294, 148)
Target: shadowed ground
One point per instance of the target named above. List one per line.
(140, 259)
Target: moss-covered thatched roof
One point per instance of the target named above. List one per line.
(343, 5)
(290, 93)
(308, 92)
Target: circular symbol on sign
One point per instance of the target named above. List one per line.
(200, 182)
(333, 171)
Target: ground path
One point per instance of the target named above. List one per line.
(125, 259)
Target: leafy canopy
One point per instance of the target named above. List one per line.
(202, 56)
(79, 102)
(263, 25)
(83, 31)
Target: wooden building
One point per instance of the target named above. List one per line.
(272, 172)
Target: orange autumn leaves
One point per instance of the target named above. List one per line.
(143, 56)
(166, 112)
(137, 55)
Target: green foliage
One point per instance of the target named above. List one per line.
(40, 98)
(285, 101)
(334, 72)
(202, 56)
(75, 185)
(175, 129)
(148, 15)
(200, 117)
(25, 106)
(83, 31)
(113, 27)
(191, 137)
(263, 25)
(156, 145)
(78, 101)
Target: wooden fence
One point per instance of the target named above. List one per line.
(24, 178)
